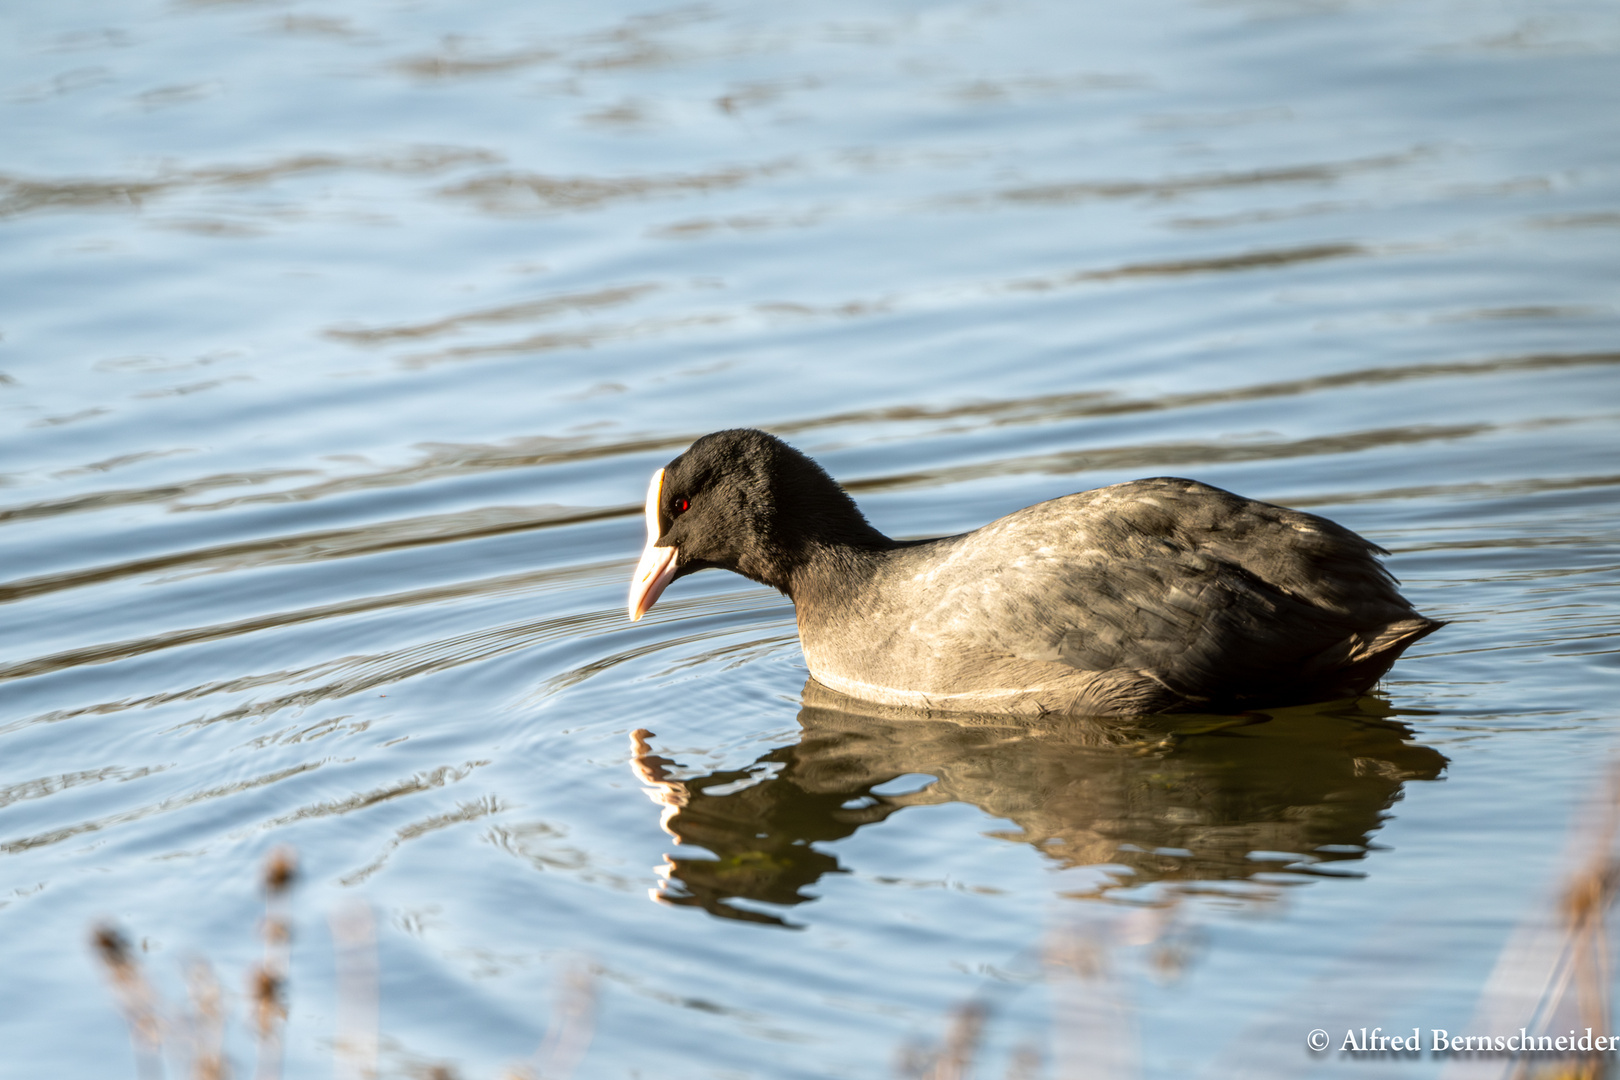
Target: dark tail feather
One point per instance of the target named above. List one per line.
(1355, 664)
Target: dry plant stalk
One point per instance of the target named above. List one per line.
(569, 1033)
(267, 985)
(137, 1000)
(961, 1043)
(1585, 909)
(1582, 969)
(1554, 973)
(1094, 1018)
(953, 1059)
(206, 1024)
(354, 935)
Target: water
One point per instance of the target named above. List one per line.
(339, 342)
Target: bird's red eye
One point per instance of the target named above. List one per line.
(681, 505)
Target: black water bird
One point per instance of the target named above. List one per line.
(1159, 595)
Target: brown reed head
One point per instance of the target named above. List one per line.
(280, 871)
(112, 947)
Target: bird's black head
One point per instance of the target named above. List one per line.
(746, 501)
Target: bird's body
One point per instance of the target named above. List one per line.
(1151, 596)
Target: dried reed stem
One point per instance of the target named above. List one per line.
(137, 1000)
(961, 1043)
(267, 984)
(569, 1033)
(354, 934)
(1554, 973)
(206, 1024)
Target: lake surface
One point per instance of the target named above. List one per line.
(339, 341)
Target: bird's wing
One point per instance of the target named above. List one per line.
(1199, 588)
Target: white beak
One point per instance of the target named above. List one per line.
(657, 566)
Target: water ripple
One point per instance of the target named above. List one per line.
(20, 195)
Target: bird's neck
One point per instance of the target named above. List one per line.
(806, 530)
(829, 568)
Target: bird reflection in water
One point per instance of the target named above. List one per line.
(1190, 798)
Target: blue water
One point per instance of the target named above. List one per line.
(337, 343)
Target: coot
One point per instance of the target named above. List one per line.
(1159, 595)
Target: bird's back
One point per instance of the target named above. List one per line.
(1150, 596)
